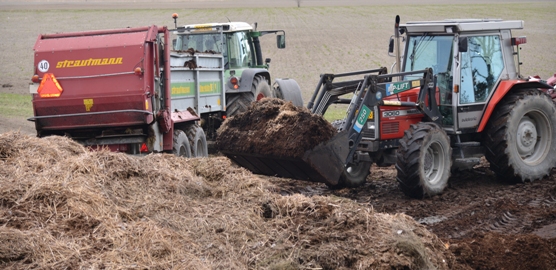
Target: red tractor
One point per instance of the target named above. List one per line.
(457, 96)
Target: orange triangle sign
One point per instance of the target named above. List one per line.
(49, 86)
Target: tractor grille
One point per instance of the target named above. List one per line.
(368, 133)
(390, 128)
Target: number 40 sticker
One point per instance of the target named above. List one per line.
(362, 118)
(43, 66)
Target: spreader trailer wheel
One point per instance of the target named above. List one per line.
(197, 140)
(181, 146)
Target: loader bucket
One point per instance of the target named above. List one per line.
(324, 163)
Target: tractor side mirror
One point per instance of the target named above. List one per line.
(281, 41)
(462, 44)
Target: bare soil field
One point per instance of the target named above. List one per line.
(329, 38)
(104, 210)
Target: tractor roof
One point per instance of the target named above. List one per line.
(227, 27)
(461, 25)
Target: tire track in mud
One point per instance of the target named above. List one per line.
(475, 203)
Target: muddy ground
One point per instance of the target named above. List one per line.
(488, 224)
(106, 210)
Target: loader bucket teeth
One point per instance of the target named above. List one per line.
(322, 164)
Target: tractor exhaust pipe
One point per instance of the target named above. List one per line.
(397, 49)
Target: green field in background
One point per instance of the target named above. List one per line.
(15, 105)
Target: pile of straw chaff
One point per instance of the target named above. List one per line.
(65, 207)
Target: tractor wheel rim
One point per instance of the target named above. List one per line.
(526, 137)
(533, 137)
(355, 169)
(433, 163)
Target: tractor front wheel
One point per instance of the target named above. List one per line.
(423, 160)
(520, 137)
(354, 175)
(288, 90)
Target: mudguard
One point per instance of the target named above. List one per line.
(289, 90)
(503, 88)
(246, 80)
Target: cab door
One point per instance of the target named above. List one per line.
(480, 68)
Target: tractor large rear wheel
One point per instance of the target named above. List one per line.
(238, 103)
(520, 137)
(261, 88)
(423, 160)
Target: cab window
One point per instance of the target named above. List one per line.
(481, 67)
(239, 50)
(428, 52)
(199, 42)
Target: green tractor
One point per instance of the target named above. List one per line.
(246, 77)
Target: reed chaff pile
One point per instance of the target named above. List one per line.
(65, 207)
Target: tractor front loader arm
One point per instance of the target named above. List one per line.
(328, 160)
(377, 87)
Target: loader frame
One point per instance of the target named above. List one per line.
(327, 161)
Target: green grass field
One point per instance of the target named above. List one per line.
(15, 105)
(319, 39)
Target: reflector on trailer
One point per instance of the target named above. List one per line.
(516, 41)
(49, 87)
(144, 148)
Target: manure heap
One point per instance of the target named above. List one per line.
(65, 207)
(274, 127)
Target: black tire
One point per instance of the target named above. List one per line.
(197, 140)
(289, 91)
(423, 160)
(181, 147)
(238, 103)
(261, 88)
(354, 175)
(520, 137)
